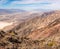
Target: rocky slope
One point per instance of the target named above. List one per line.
(37, 31)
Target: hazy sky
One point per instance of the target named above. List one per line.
(30, 4)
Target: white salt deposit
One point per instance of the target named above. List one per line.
(4, 24)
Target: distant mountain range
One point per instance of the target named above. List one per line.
(10, 11)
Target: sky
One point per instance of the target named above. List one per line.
(30, 4)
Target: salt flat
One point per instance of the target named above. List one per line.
(4, 24)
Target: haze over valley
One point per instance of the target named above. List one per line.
(29, 24)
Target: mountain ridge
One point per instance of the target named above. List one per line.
(41, 31)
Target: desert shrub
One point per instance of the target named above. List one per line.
(51, 43)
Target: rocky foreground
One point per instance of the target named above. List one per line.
(37, 31)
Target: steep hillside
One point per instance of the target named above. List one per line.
(37, 31)
(51, 29)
